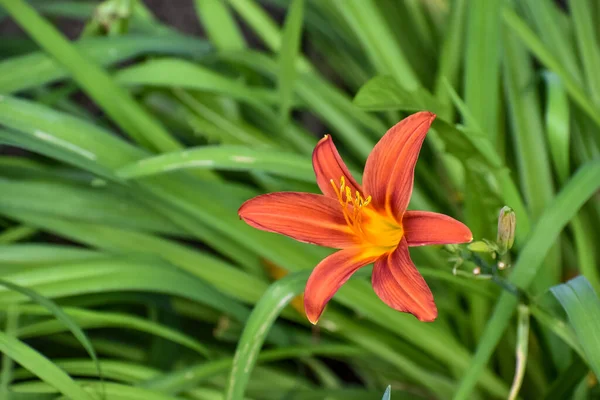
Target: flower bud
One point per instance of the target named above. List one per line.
(479, 247)
(506, 229)
(451, 248)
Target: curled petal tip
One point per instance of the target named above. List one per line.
(430, 316)
(329, 275)
(427, 114)
(389, 171)
(428, 228)
(468, 235)
(312, 313)
(328, 165)
(423, 115)
(325, 138)
(240, 210)
(398, 283)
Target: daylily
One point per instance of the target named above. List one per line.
(369, 223)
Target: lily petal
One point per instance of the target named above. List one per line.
(389, 171)
(398, 283)
(328, 165)
(329, 276)
(425, 228)
(306, 217)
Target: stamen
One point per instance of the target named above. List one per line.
(358, 202)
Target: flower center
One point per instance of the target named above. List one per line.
(374, 228)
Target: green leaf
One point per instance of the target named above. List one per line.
(117, 103)
(94, 319)
(235, 158)
(388, 393)
(63, 318)
(557, 125)
(38, 68)
(451, 56)
(16, 234)
(378, 41)
(220, 25)
(116, 391)
(119, 273)
(564, 386)
(105, 204)
(383, 93)
(266, 311)
(554, 33)
(589, 49)
(547, 57)
(192, 376)
(288, 54)
(28, 254)
(42, 367)
(171, 72)
(583, 308)
(323, 98)
(528, 133)
(482, 65)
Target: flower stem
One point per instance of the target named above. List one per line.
(521, 351)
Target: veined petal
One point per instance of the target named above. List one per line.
(306, 217)
(425, 228)
(328, 165)
(389, 171)
(329, 276)
(398, 283)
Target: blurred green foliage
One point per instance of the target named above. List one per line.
(126, 273)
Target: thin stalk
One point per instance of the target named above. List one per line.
(522, 349)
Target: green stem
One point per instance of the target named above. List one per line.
(521, 351)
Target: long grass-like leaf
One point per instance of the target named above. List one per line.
(93, 319)
(583, 308)
(256, 329)
(38, 69)
(63, 318)
(224, 157)
(588, 44)
(116, 102)
(482, 66)
(288, 53)
(547, 57)
(220, 25)
(42, 367)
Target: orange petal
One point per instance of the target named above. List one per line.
(329, 276)
(328, 165)
(424, 228)
(306, 217)
(389, 171)
(398, 283)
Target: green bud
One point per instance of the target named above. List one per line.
(479, 247)
(507, 221)
(451, 248)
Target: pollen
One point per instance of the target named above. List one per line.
(351, 205)
(373, 228)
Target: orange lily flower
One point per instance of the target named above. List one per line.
(369, 223)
